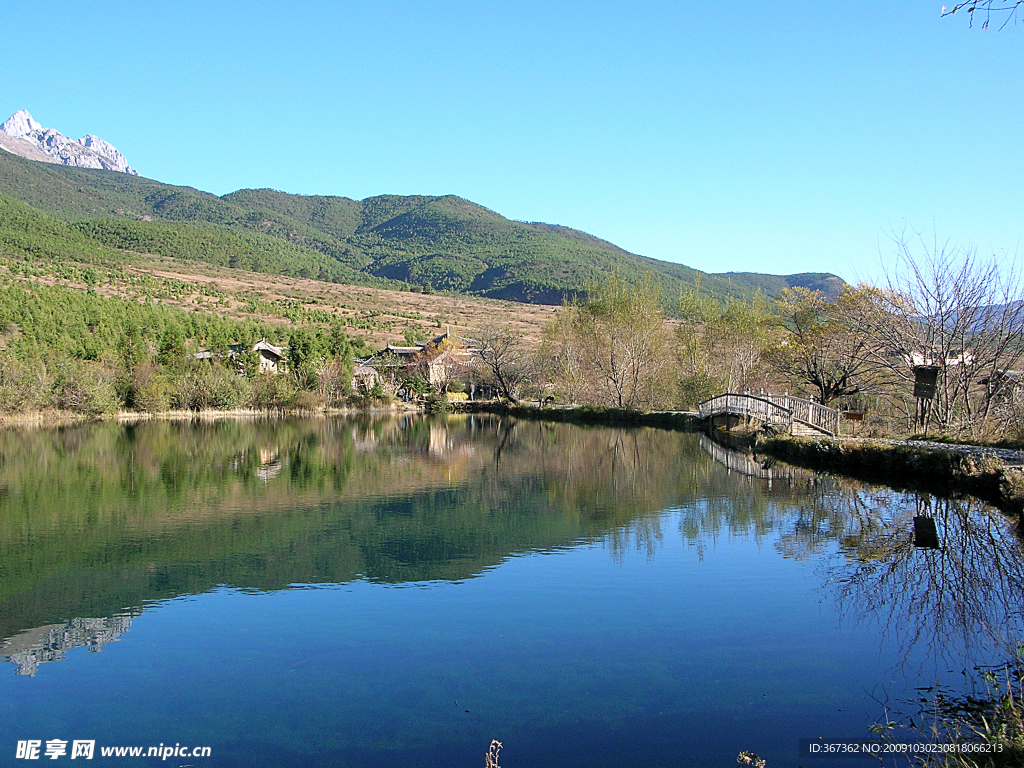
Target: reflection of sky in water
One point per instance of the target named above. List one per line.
(679, 638)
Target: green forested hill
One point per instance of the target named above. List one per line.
(236, 249)
(28, 233)
(440, 243)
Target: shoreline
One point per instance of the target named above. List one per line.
(55, 418)
(937, 468)
(941, 471)
(681, 421)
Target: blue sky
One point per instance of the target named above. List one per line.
(770, 137)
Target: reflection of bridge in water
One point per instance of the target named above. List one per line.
(792, 415)
(750, 465)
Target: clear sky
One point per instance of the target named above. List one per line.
(770, 137)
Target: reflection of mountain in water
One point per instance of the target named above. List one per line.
(96, 518)
(36, 646)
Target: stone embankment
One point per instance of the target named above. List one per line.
(1009, 456)
(995, 475)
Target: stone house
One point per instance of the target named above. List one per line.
(271, 359)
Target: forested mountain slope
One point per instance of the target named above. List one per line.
(423, 242)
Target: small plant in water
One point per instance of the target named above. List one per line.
(983, 730)
(491, 758)
(994, 719)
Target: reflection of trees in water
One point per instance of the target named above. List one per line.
(100, 517)
(96, 518)
(841, 512)
(967, 593)
(741, 494)
(627, 478)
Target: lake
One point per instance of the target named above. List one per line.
(400, 591)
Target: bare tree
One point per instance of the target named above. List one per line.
(443, 363)
(947, 307)
(821, 350)
(720, 345)
(391, 372)
(333, 378)
(618, 337)
(989, 9)
(562, 354)
(507, 359)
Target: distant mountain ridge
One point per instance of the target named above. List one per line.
(21, 135)
(419, 242)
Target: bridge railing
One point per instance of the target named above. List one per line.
(760, 408)
(810, 412)
(777, 410)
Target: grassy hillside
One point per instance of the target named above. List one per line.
(205, 269)
(433, 243)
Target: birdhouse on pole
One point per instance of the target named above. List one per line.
(925, 383)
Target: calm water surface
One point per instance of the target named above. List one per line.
(359, 592)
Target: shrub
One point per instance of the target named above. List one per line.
(306, 401)
(694, 388)
(210, 386)
(85, 387)
(437, 403)
(272, 392)
(24, 385)
(154, 396)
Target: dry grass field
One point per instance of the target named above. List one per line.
(377, 315)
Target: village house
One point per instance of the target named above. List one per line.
(271, 359)
(1004, 386)
(439, 360)
(364, 377)
(953, 358)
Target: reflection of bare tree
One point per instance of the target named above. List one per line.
(740, 493)
(841, 512)
(968, 591)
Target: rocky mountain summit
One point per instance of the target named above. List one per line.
(21, 135)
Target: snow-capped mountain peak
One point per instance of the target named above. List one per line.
(20, 124)
(23, 136)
